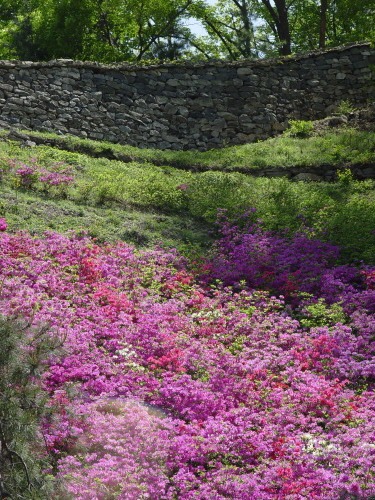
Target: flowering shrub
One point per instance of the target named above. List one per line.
(291, 266)
(27, 175)
(170, 389)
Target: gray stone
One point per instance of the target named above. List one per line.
(228, 116)
(187, 105)
(219, 123)
(237, 82)
(5, 86)
(368, 173)
(244, 71)
(335, 121)
(307, 176)
(170, 109)
(183, 111)
(173, 82)
(125, 129)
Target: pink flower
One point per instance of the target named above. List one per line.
(3, 224)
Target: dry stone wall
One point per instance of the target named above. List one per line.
(183, 106)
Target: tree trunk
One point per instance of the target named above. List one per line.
(248, 33)
(283, 28)
(279, 15)
(323, 23)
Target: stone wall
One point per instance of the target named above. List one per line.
(183, 106)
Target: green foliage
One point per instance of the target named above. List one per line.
(322, 314)
(211, 191)
(118, 30)
(23, 456)
(300, 128)
(102, 30)
(348, 145)
(36, 213)
(345, 107)
(230, 29)
(352, 226)
(252, 27)
(143, 203)
(345, 177)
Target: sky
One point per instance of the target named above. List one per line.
(195, 26)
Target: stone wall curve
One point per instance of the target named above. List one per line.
(184, 105)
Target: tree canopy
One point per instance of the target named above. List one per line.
(139, 30)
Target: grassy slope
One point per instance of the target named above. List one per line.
(337, 148)
(143, 203)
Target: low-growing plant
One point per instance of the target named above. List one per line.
(103, 184)
(51, 180)
(319, 313)
(211, 191)
(282, 151)
(345, 107)
(170, 389)
(300, 128)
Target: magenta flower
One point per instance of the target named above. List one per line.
(3, 224)
(166, 388)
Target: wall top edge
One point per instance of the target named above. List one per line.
(70, 63)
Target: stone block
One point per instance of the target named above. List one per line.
(307, 176)
(244, 71)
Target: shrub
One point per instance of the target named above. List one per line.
(169, 389)
(345, 107)
(300, 128)
(211, 191)
(23, 456)
(267, 260)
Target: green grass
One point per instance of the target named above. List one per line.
(345, 146)
(147, 204)
(30, 212)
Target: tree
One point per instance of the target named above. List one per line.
(277, 17)
(103, 30)
(350, 21)
(13, 14)
(230, 28)
(248, 28)
(330, 23)
(136, 30)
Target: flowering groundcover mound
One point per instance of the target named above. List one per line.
(164, 388)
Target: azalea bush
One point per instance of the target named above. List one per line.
(341, 212)
(167, 387)
(53, 178)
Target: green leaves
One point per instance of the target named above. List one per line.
(102, 30)
(143, 30)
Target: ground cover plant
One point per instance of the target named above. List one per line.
(168, 388)
(345, 146)
(245, 371)
(110, 197)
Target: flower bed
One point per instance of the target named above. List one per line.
(164, 388)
